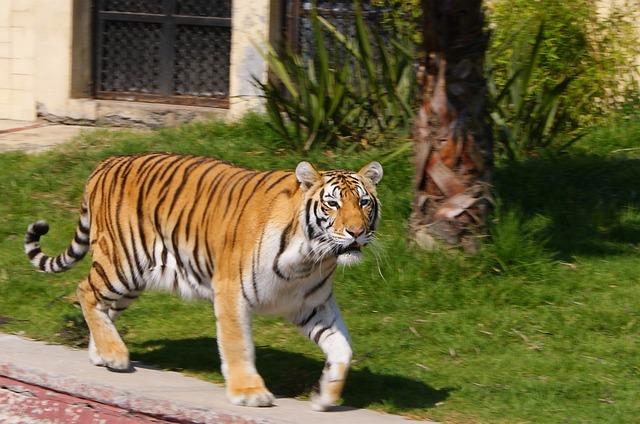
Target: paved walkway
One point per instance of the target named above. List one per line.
(147, 392)
(35, 136)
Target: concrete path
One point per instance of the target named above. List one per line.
(35, 136)
(164, 395)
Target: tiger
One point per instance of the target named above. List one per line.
(264, 242)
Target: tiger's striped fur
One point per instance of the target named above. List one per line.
(264, 242)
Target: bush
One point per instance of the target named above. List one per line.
(597, 48)
(528, 117)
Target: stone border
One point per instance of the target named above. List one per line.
(107, 395)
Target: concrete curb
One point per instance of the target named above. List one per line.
(161, 409)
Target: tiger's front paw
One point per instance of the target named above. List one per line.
(249, 391)
(325, 400)
(329, 388)
(115, 359)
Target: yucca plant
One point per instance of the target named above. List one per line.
(526, 117)
(317, 101)
(386, 69)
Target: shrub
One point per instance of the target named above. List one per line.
(528, 117)
(596, 47)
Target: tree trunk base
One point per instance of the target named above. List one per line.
(442, 235)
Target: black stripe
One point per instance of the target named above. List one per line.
(375, 213)
(319, 285)
(119, 274)
(121, 236)
(196, 201)
(163, 255)
(151, 173)
(195, 254)
(219, 179)
(185, 177)
(84, 230)
(103, 275)
(244, 293)
(97, 293)
(244, 206)
(174, 242)
(283, 244)
(33, 252)
(136, 258)
(276, 182)
(140, 214)
(176, 285)
(253, 277)
(311, 233)
(118, 309)
(307, 319)
(319, 220)
(43, 259)
(316, 338)
(73, 254)
(245, 180)
(79, 241)
(61, 265)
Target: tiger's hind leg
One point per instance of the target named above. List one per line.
(114, 311)
(101, 303)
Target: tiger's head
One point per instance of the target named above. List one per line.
(341, 209)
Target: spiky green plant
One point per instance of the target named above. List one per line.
(527, 117)
(317, 101)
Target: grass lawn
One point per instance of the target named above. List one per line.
(541, 326)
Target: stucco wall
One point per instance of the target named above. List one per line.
(45, 59)
(17, 59)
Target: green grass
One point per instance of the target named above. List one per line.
(541, 326)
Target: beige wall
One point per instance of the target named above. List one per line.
(45, 59)
(35, 59)
(632, 8)
(250, 28)
(17, 59)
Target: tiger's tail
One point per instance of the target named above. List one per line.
(77, 249)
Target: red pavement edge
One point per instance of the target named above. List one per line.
(107, 395)
(24, 128)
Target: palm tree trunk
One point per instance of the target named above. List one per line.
(453, 143)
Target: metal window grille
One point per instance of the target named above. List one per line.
(168, 51)
(298, 30)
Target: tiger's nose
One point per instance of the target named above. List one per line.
(355, 232)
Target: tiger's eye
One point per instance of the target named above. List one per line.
(333, 204)
(364, 201)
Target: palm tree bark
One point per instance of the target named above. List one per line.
(453, 143)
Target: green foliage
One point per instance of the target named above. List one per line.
(517, 242)
(319, 101)
(592, 45)
(528, 117)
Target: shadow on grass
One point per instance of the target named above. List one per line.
(585, 197)
(292, 374)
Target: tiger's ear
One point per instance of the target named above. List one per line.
(372, 171)
(307, 175)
